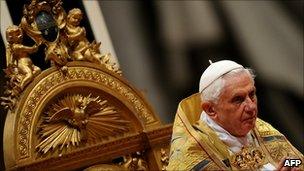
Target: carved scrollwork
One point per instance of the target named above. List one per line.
(77, 118)
(105, 167)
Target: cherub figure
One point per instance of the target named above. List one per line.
(17, 55)
(82, 49)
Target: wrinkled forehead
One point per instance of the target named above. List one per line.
(237, 83)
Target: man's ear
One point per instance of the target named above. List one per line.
(208, 107)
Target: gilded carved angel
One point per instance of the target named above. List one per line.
(77, 118)
(82, 49)
(17, 55)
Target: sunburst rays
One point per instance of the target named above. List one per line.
(75, 118)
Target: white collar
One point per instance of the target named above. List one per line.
(234, 143)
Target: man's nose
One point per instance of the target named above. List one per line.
(250, 104)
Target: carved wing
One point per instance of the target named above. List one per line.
(106, 122)
(58, 134)
(102, 121)
(93, 107)
(55, 132)
(62, 114)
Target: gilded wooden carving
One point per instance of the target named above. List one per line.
(164, 158)
(77, 118)
(78, 113)
(135, 161)
(20, 69)
(56, 79)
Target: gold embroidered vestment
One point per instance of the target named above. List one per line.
(195, 146)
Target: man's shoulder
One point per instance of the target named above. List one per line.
(266, 129)
(276, 143)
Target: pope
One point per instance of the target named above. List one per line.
(219, 129)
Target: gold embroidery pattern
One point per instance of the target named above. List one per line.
(249, 158)
(211, 166)
(185, 153)
(266, 129)
(277, 146)
(279, 149)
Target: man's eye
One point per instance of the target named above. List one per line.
(252, 95)
(238, 99)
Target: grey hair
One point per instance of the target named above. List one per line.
(213, 91)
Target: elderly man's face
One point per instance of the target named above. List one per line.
(236, 110)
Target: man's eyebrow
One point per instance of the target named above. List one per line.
(253, 90)
(234, 94)
(240, 93)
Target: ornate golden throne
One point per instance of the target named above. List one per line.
(80, 113)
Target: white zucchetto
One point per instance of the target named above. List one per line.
(216, 70)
